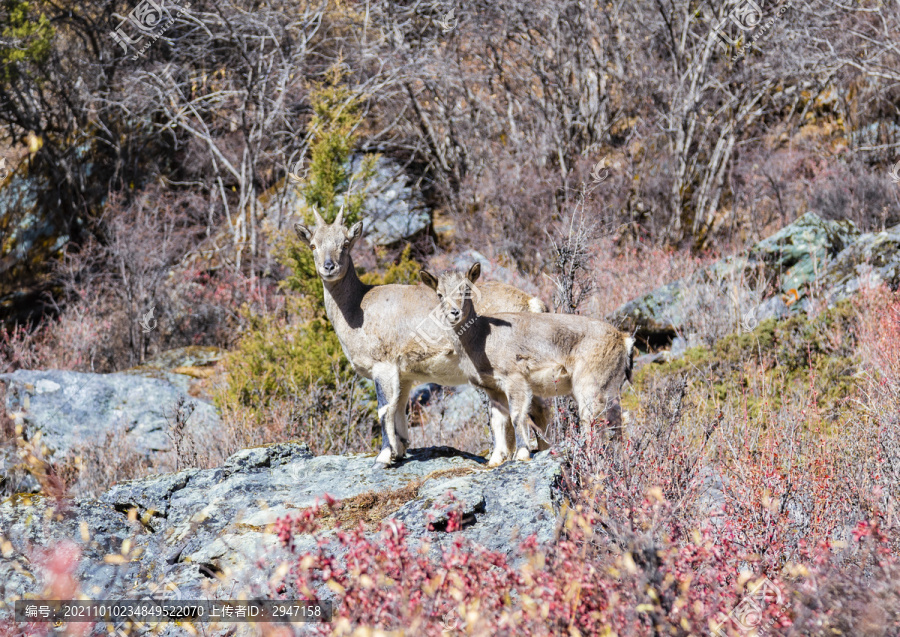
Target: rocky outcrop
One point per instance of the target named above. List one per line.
(810, 257)
(872, 259)
(798, 253)
(202, 532)
(71, 410)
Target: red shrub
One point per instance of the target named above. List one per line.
(687, 528)
(879, 334)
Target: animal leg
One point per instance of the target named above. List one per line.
(595, 404)
(501, 427)
(519, 401)
(614, 416)
(387, 389)
(540, 416)
(401, 422)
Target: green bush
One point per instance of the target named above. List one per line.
(26, 38)
(287, 380)
(335, 125)
(404, 272)
(335, 130)
(276, 360)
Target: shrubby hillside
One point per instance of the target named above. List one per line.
(721, 180)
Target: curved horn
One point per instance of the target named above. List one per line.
(319, 220)
(339, 220)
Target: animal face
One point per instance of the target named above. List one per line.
(331, 245)
(456, 292)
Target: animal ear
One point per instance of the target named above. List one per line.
(304, 233)
(355, 231)
(474, 272)
(428, 279)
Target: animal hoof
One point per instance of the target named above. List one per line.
(523, 454)
(496, 461)
(384, 458)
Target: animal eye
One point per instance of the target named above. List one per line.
(440, 297)
(346, 244)
(312, 246)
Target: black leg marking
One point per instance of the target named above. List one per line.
(382, 401)
(379, 395)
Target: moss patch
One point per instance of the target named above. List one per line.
(792, 356)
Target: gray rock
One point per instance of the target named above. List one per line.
(183, 357)
(491, 502)
(208, 532)
(648, 359)
(394, 209)
(772, 308)
(462, 407)
(811, 252)
(797, 253)
(184, 367)
(873, 259)
(649, 317)
(14, 474)
(73, 409)
(455, 416)
(679, 347)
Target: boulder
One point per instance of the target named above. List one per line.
(798, 253)
(185, 367)
(73, 409)
(873, 259)
(394, 208)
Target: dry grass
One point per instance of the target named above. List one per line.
(371, 507)
(89, 470)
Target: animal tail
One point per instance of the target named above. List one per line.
(536, 305)
(629, 357)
